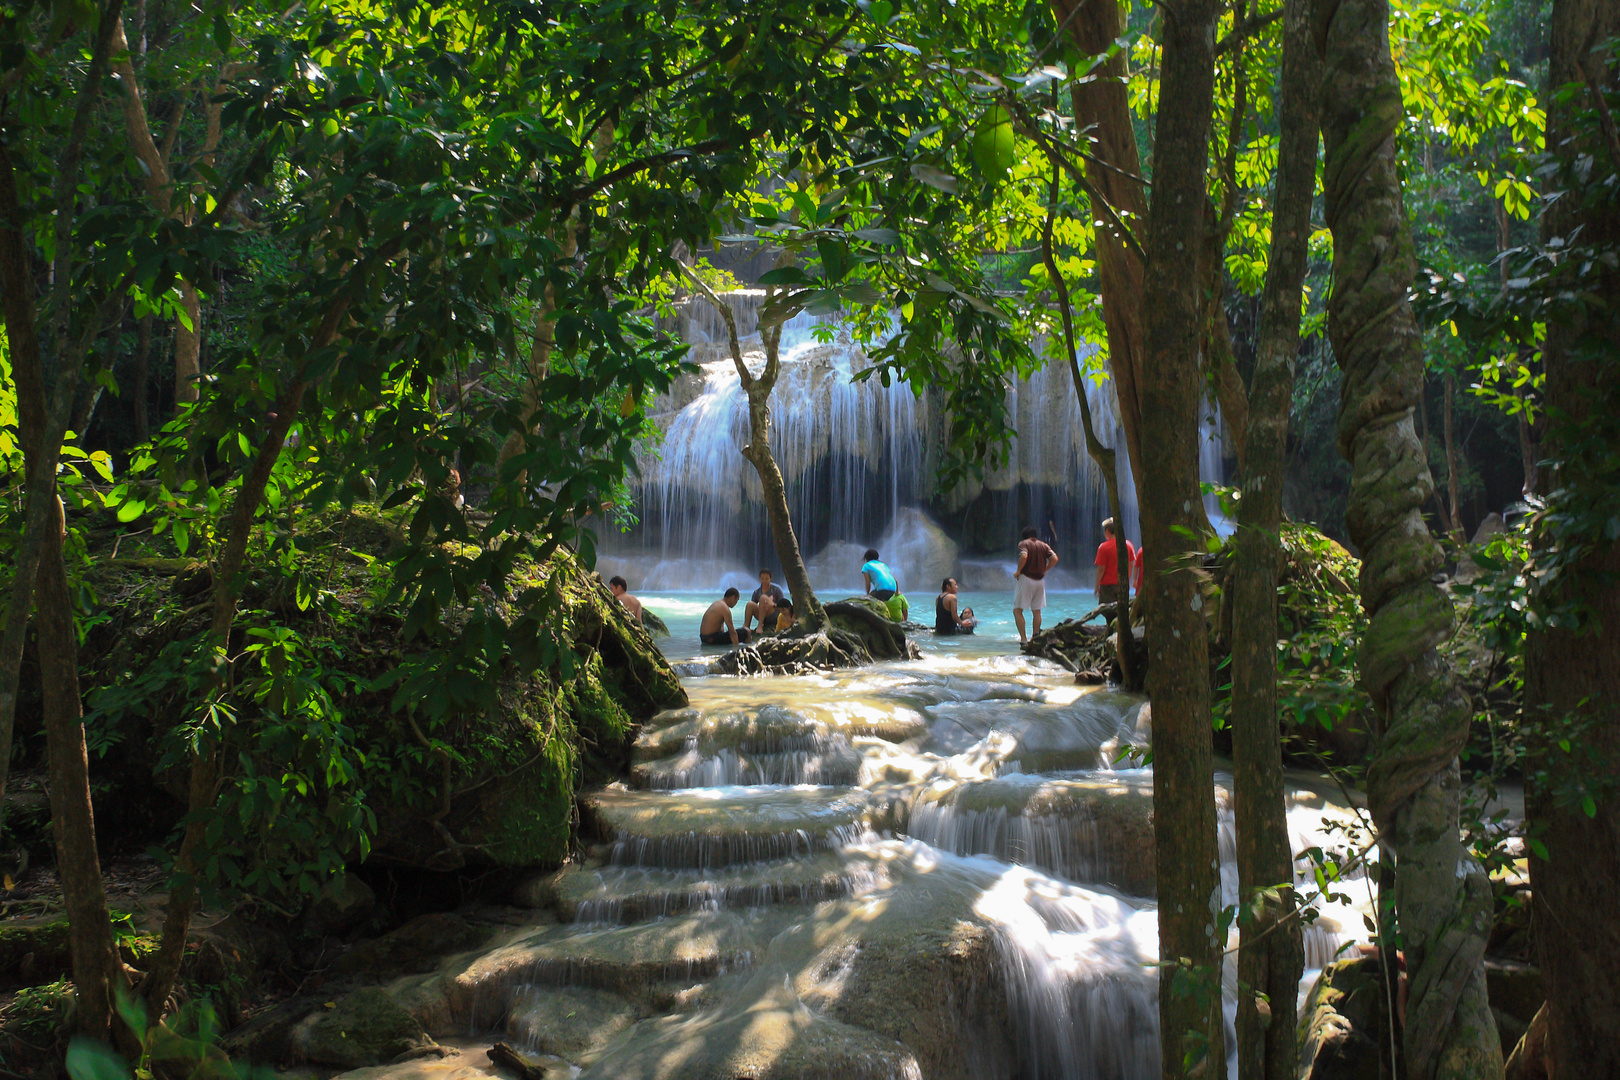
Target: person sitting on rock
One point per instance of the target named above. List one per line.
(899, 607)
(621, 589)
(879, 579)
(762, 606)
(784, 615)
(716, 627)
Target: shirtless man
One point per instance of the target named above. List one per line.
(621, 589)
(716, 627)
(764, 603)
(1035, 558)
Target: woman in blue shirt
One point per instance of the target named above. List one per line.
(880, 584)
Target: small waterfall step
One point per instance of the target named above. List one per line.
(620, 959)
(705, 828)
(626, 894)
(812, 759)
(1082, 734)
(774, 728)
(1090, 828)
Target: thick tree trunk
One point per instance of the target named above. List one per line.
(1103, 106)
(1187, 855)
(1572, 672)
(97, 970)
(1271, 958)
(1443, 900)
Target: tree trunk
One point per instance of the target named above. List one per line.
(1187, 856)
(1104, 456)
(806, 608)
(1271, 958)
(1453, 482)
(160, 191)
(758, 452)
(203, 785)
(1103, 106)
(97, 970)
(1443, 900)
(1572, 668)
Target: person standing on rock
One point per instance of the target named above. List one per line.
(1108, 590)
(716, 627)
(1035, 559)
(621, 589)
(762, 606)
(879, 579)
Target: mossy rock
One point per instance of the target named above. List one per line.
(34, 951)
(365, 1028)
(496, 789)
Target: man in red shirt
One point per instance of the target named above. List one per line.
(1108, 590)
(1035, 558)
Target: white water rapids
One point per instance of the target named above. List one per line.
(924, 869)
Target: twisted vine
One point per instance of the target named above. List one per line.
(1414, 784)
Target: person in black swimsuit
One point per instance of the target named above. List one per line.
(947, 621)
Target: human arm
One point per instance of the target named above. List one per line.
(730, 627)
(1022, 556)
(866, 579)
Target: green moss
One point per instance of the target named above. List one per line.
(46, 939)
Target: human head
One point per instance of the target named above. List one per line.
(1031, 532)
(871, 553)
(1109, 528)
(785, 605)
(764, 577)
(967, 613)
(948, 585)
(731, 597)
(618, 585)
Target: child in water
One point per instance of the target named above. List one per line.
(969, 621)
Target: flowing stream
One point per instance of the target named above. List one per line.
(922, 869)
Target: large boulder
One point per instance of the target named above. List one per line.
(368, 1027)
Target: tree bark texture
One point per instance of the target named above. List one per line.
(1443, 899)
(806, 608)
(1187, 856)
(1572, 673)
(1271, 957)
(1102, 111)
(97, 969)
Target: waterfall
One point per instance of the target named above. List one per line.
(859, 460)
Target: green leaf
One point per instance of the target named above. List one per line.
(88, 1059)
(877, 236)
(881, 11)
(993, 145)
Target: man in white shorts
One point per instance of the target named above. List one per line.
(1035, 558)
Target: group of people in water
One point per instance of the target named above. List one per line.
(770, 611)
